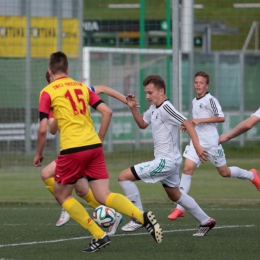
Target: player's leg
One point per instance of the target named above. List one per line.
(48, 178)
(126, 180)
(217, 157)
(78, 213)
(82, 190)
(170, 185)
(100, 186)
(68, 170)
(236, 172)
(123, 205)
(192, 161)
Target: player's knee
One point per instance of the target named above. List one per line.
(188, 170)
(46, 174)
(81, 192)
(126, 175)
(121, 177)
(174, 196)
(224, 173)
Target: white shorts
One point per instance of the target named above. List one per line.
(216, 155)
(164, 170)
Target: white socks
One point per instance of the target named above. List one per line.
(132, 193)
(191, 206)
(242, 174)
(184, 186)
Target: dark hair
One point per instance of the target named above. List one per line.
(203, 74)
(156, 80)
(48, 77)
(58, 62)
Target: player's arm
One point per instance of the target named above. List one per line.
(41, 139)
(241, 128)
(44, 111)
(201, 152)
(214, 119)
(216, 110)
(52, 123)
(106, 113)
(99, 89)
(133, 105)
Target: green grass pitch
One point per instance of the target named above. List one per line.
(29, 213)
(28, 232)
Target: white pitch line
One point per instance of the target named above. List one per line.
(119, 235)
(166, 208)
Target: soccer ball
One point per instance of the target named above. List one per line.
(104, 216)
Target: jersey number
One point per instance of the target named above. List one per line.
(78, 93)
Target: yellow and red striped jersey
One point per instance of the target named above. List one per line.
(68, 101)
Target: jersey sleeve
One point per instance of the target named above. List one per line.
(169, 113)
(45, 103)
(147, 116)
(215, 107)
(93, 98)
(257, 113)
(92, 88)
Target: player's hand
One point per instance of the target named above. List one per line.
(183, 129)
(223, 138)
(37, 161)
(201, 152)
(131, 101)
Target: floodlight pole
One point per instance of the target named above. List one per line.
(175, 53)
(141, 71)
(168, 46)
(28, 79)
(141, 46)
(175, 60)
(59, 16)
(59, 48)
(187, 45)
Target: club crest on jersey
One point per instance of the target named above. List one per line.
(201, 105)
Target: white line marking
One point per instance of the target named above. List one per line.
(119, 235)
(166, 208)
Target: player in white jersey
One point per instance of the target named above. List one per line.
(206, 113)
(165, 121)
(242, 127)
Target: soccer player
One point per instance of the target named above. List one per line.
(207, 112)
(81, 152)
(242, 127)
(81, 186)
(165, 121)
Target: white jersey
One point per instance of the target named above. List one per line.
(257, 113)
(165, 121)
(206, 107)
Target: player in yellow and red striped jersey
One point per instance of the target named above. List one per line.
(81, 186)
(81, 153)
